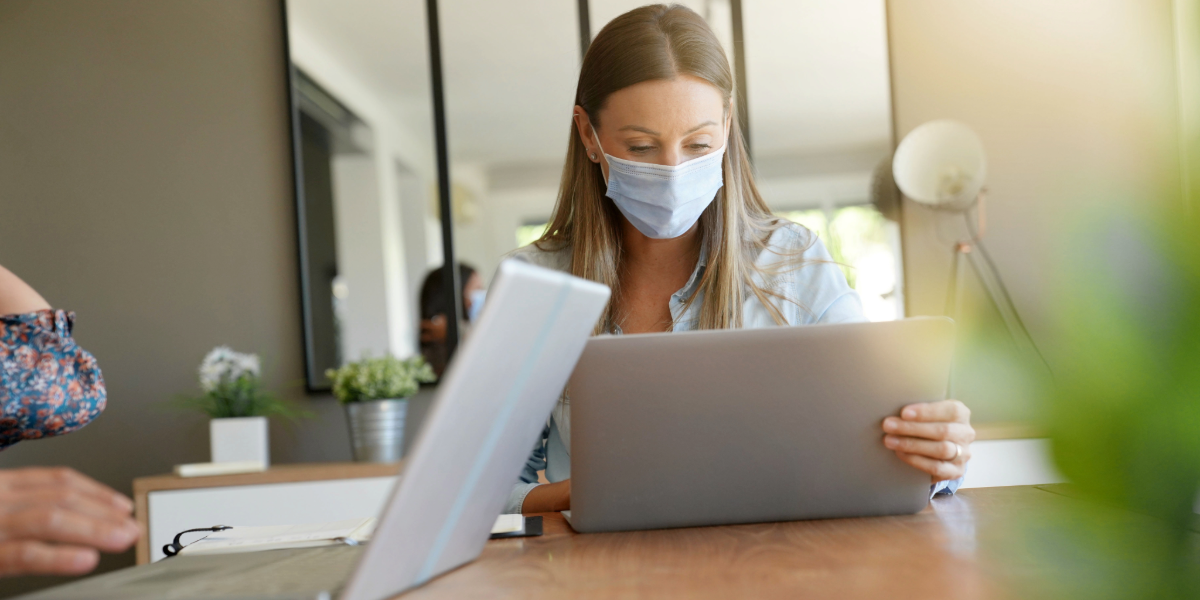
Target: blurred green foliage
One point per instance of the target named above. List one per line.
(386, 378)
(241, 397)
(1124, 413)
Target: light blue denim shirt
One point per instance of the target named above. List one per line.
(818, 292)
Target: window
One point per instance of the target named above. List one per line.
(864, 244)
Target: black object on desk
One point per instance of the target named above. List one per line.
(533, 528)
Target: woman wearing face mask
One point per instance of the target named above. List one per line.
(658, 201)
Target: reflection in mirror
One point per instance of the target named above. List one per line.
(820, 119)
(368, 234)
(510, 72)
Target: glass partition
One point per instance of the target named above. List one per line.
(510, 71)
(820, 122)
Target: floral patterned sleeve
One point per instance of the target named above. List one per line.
(48, 384)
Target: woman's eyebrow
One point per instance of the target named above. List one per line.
(652, 132)
(639, 128)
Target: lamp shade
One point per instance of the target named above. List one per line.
(941, 164)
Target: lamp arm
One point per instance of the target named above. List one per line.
(1003, 289)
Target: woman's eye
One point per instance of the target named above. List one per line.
(640, 149)
(699, 147)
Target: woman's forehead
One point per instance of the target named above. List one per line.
(665, 106)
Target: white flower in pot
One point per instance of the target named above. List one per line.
(237, 405)
(375, 392)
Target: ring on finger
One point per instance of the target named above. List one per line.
(957, 452)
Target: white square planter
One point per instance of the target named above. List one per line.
(238, 439)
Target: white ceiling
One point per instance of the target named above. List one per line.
(816, 69)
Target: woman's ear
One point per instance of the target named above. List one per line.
(583, 125)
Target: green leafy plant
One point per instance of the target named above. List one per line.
(232, 387)
(380, 378)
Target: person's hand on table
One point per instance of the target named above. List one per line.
(934, 437)
(56, 521)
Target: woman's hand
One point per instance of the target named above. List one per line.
(934, 437)
(548, 497)
(55, 521)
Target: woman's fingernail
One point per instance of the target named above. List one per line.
(891, 442)
(909, 413)
(889, 424)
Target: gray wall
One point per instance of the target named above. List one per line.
(145, 183)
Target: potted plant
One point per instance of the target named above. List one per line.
(234, 399)
(375, 392)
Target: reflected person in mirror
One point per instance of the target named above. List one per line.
(435, 307)
(52, 520)
(658, 201)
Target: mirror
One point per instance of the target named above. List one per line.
(817, 99)
(366, 169)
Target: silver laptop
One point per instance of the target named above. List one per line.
(491, 407)
(752, 425)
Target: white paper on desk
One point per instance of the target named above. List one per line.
(248, 539)
(253, 539)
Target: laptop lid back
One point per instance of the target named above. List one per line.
(491, 406)
(751, 425)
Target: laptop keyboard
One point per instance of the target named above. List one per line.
(305, 573)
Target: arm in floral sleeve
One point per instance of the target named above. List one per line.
(48, 384)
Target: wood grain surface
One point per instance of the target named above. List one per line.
(932, 554)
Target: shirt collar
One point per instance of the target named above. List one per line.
(697, 274)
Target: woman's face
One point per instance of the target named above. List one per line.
(662, 121)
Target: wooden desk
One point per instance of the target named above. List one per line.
(933, 554)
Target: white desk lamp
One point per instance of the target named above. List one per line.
(942, 165)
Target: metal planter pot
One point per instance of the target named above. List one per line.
(377, 429)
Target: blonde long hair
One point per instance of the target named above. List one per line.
(649, 43)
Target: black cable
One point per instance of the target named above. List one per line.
(987, 257)
(176, 546)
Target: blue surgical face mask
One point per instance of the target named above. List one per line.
(477, 298)
(663, 202)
